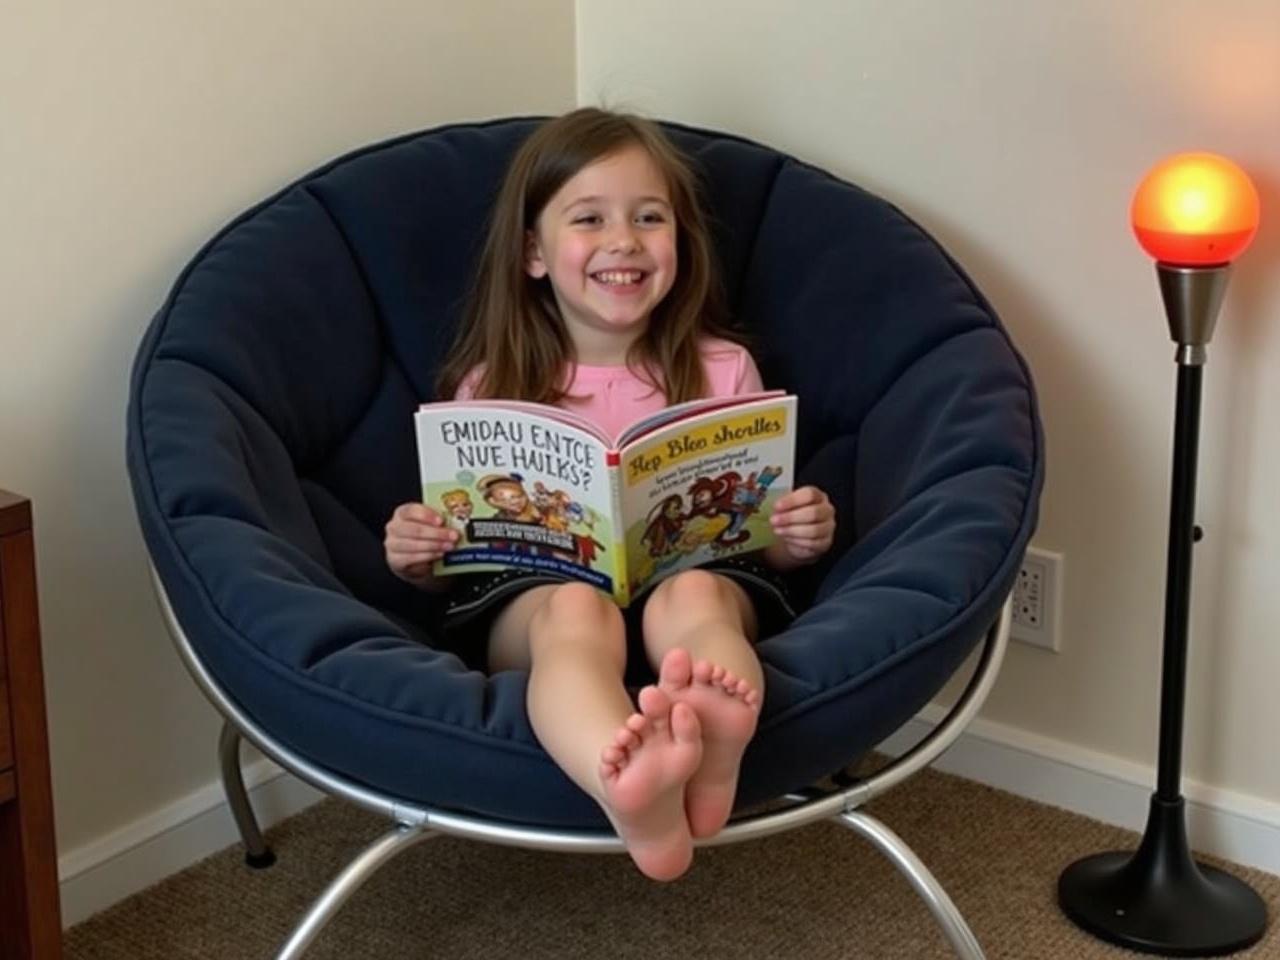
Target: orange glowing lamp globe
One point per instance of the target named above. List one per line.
(1195, 210)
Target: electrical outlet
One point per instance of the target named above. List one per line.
(1037, 597)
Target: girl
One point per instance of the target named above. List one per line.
(595, 291)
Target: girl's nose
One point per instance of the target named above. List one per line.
(623, 240)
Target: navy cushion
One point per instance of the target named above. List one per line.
(270, 438)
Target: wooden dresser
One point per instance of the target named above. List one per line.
(29, 920)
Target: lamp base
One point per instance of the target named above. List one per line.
(1158, 899)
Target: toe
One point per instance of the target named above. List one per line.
(676, 670)
(654, 704)
(684, 724)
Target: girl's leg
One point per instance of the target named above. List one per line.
(698, 633)
(635, 764)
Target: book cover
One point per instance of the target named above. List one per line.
(539, 488)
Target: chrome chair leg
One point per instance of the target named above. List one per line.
(351, 879)
(909, 865)
(256, 852)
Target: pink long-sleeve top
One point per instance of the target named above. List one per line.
(613, 396)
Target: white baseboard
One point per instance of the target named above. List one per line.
(1222, 823)
(106, 870)
(1238, 827)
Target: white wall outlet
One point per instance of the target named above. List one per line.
(1037, 599)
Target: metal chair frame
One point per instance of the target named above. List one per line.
(414, 823)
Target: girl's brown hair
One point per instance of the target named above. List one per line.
(512, 329)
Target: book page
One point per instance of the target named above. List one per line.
(704, 487)
(523, 490)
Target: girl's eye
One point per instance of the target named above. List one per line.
(652, 217)
(587, 218)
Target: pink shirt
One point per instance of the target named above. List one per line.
(613, 396)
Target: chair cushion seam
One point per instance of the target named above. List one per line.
(380, 324)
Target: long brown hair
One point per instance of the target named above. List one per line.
(512, 329)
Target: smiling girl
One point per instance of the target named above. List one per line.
(596, 292)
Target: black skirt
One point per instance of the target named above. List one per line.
(478, 598)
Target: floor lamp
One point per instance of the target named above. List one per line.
(1194, 213)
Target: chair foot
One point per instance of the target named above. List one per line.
(260, 861)
(351, 879)
(909, 865)
(257, 854)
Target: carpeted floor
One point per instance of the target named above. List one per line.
(818, 893)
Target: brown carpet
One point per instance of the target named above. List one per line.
(816, 893)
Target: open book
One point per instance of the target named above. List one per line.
(541, 488)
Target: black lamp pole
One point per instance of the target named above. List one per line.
(1158, 899)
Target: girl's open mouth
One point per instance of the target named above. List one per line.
(619, 278)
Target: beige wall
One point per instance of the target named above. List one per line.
(130, 132)
(1016, 132)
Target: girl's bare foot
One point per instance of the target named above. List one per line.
(727, 708)
(643, 773)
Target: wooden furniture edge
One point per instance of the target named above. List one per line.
(30, 913)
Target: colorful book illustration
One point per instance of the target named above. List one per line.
(539, 488)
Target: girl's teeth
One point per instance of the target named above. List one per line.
(619, 277)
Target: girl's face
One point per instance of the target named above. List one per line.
(607, 241)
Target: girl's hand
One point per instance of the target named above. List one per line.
(804, 521)
(416, 538)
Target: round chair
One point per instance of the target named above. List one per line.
(270, 436)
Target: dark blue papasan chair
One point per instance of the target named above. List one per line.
(270, 437)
